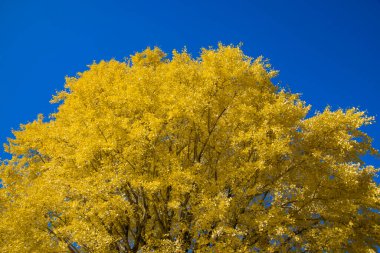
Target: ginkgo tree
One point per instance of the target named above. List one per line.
(183, 154)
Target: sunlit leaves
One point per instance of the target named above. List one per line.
(183, 154)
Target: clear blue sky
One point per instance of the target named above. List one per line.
(328, 50)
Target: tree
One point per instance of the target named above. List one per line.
(188, 155)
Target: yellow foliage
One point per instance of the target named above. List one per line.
(188, 155)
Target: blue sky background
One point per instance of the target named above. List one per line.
(328, 50)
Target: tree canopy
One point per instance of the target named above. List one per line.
(184, 154)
